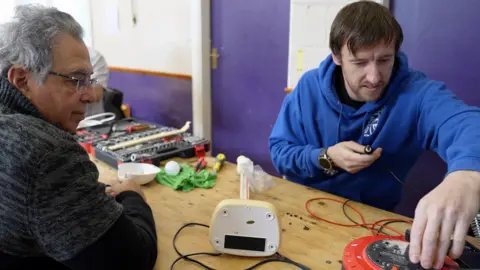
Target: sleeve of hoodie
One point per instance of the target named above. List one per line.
(450, 127)
(292, 156)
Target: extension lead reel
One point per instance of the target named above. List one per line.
(382, 252)
(245, 227)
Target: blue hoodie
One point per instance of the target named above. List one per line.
(414, 114)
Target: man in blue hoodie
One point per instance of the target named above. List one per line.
(365, 95)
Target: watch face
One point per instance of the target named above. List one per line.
(324, 163)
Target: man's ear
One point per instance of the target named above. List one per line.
(337, 59)
(18, 77)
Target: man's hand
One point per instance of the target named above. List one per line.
(449, 208)
(351, 156)
(117, 187)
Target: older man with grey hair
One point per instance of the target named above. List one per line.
(54, 214)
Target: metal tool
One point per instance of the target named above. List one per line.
(150, 138)
(133, 128)
(132, 141)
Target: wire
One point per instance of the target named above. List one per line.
(400, 181)
(276, 258)
(389, 222)
(187, 257)
(369, 150)
(280, 258)
(353, 221)
(363, 224)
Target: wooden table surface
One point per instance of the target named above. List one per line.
(304, 239)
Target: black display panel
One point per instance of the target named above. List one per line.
(245, 243)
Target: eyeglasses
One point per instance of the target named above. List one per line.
(81, 84)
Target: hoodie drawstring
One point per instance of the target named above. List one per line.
(338, 123)
(366, 119)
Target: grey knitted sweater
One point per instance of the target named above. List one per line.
(51, 203)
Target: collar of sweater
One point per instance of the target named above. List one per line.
(13, 99)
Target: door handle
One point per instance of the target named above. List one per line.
(214, 56)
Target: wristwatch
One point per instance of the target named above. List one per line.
(326, 162)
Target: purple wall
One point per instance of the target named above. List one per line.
(441, 39)
(160, 99)
(248, 85)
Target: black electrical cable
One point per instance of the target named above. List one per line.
(187, 257)
(277, 257)
(353, 221)
(401, 182)
(389, 222)
(369, 150)
(379, 230)
(280, 258)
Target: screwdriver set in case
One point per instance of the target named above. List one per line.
(133, 140)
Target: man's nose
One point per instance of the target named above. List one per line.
(88, 95)
(373, 75)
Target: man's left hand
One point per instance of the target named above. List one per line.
(448, 209)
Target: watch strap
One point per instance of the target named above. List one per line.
(325, 159)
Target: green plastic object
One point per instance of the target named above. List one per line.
(187, 179)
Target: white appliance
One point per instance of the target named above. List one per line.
(245, 227)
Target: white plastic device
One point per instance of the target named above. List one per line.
(92, 120)
(245, 227)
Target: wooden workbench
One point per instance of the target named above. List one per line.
(314, 243)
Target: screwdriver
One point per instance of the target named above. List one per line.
(201, 164)
(219, 160)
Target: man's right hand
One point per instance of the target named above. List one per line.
(351, 156)
(118, 186)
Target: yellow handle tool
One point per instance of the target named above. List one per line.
(220, 159)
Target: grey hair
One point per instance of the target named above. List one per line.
(27, 40)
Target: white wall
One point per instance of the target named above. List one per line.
(79, 9)
(310, 22)
(6, 10)
(160, 41)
